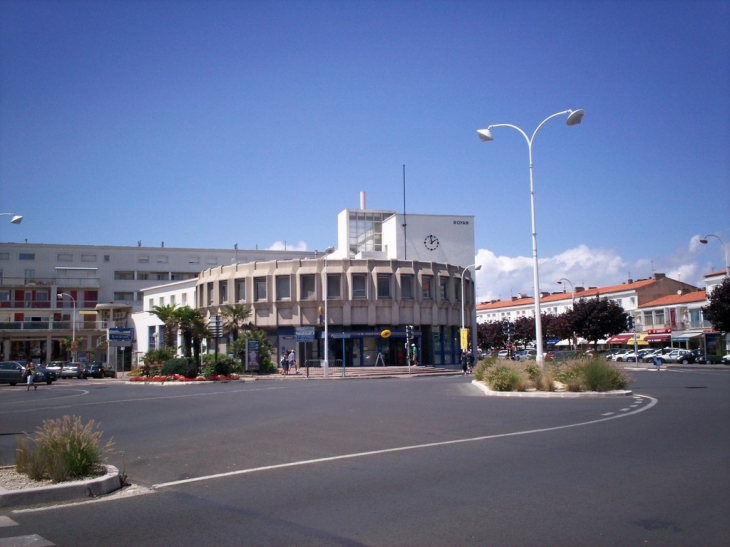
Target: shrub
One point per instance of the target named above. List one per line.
(482, 367)
(505, 378)
(181, 366)
(65, 449)
(591, 374)
(160, 355)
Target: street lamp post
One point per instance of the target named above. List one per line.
(572, 301)
(17, 219)
(574, 118)
(463, 314)
(325, 363)
(724, 249)
(73, 323)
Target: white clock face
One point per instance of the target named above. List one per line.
(431, 242)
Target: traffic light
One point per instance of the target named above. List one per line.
(630, 322)
(409, 332)
(505, 326)
(511, 329)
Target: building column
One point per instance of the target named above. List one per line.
(49, 348)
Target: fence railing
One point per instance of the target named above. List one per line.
(52, 325)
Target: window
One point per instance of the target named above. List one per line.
(259, 288)
(182, 276)
(107, 258)
(444, 288)
(194, 260)
(42, 296)
(143, 276)
(426, 282)
(457, 290)
(160, 276)
(211, 260)
(359, 285)
(29, 275)
(65, 257)
(125, 296)
(124, 276)
(209, 301)
(223, 291)
(88, 258)
(4, 296)
(184, 299)
(4, 256)
(143, 259)
(306, 287)
(283, 287)
(162, 259)
(162, 300)
(240, 290)
(406, 286)
(333, 286)
(384, 285)
(659, 318)
(172, 299)
(150, 303)
(26, 256)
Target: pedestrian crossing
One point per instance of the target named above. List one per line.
(29, 540)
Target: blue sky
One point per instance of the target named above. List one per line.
(206, 124)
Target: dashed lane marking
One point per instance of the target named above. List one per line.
(33, 540)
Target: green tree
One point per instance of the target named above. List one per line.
(191, 324)
(235, 318)
(266, 350)
(717, 311)
(490, 335)
(166, 314)
(597, 318)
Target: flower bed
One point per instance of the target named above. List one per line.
(181, 378)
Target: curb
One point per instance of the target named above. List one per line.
(76, 490)
(552, 394)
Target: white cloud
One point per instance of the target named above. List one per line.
(286, 246)
(502, 277)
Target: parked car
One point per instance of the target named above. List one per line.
(97, 369)
(610, 353)
(525, 354)
(503, 354)
(619, 355)
(11, 372)
(635, 357)
(561, 355)
(694, 356)
(56, 366)
(71, 370)
(725, 359)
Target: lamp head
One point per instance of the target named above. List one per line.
(703, 241)
(485, 134)
(575, 117)
(560, 282)
(478, 267)
(17, 219)
(329, 250)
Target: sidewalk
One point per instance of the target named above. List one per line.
(337, 373)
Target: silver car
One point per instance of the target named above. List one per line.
(71, 370)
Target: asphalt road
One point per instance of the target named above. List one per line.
(428, 461)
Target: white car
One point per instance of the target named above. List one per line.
(725, 359)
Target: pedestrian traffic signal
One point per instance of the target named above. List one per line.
(630, 322)
(409, 332)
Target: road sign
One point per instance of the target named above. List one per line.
(658, 361)
(120, 337)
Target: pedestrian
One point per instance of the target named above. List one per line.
(29, 374)
(464, 361)
(293, 362)
(414, 350)
(285, 364)
(470, 361)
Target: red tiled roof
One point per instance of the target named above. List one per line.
(587, 293)
(696, 296)
(718, 272)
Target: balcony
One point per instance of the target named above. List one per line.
(81, 326)
(63, 282)
(46, 305)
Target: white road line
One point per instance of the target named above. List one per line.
(400, 449)
(33, 540)
(608, 414)
(7, 521)
(24, 401)
(625, 409)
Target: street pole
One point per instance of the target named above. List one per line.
(574, 118)
(325, 363)
(724, 249)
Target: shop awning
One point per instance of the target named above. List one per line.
(620, 339)
(640, 340)
(686, 335)
(658, 337)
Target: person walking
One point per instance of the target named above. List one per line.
(293, 362)
(285, 364)
(30, 375)
(470, 361)
(464, 361)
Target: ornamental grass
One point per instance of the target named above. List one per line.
(62, 450)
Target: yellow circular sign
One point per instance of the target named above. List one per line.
(385, 334)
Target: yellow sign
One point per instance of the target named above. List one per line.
(464, 338)
(385, 334)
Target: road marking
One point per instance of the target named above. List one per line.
(625, 409)
(7, 521)
(127, 492)
(608, 414)
(33, 540)
(652, 400)
(24, 401)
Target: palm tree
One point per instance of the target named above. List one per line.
(235, 318)
(166, 314)
(188, 320)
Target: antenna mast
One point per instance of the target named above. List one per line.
(405, 232)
